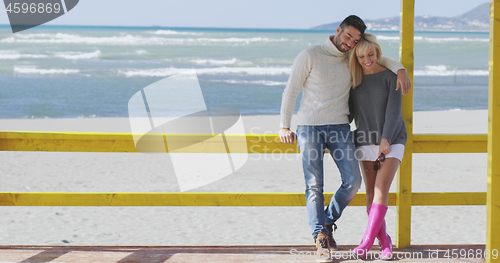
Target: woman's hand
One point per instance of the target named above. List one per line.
(384, 147)
(287, 136)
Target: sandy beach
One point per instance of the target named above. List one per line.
(138, 172)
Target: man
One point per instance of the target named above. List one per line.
(322, 73)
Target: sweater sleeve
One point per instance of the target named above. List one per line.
(393, 111)
(301, 69)
(391, 64)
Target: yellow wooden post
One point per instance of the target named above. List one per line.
(403, 195)
(493, 194)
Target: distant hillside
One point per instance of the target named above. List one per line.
(475, 20)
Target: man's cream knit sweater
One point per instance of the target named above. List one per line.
(322, 71)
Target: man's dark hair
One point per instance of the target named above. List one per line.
(355, 22)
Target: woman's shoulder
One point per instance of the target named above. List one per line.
(389, 76)
(388, 73)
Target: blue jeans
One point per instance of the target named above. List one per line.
(338, 140)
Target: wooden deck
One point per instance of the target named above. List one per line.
(121, 254)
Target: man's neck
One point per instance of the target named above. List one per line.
(334, 40)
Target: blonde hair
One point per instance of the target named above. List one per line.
(367, 42)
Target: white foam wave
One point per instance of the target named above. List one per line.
(214, 61)
(33, 56)
(127, 39)
(258, 82)
(171, 32)
(78, 55)
(232, 61)
(34, 70)
(60, 38)
(163, 72)
(438, 67)
(10, 54)
(442, 70)
(434, 39)
(449, 39)
(38, 35)
(382, 37)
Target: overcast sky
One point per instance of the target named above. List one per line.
(243, 13)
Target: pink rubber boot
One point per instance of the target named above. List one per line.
(375, 221)
(384, 241)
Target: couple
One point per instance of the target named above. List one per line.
(325, 74)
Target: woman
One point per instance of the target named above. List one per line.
(380, 136)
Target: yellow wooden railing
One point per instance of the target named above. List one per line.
(403, 198)
(256, 144)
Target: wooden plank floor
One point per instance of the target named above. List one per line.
(119, 254)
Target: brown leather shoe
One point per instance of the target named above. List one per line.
(331, 241)
(322, 248)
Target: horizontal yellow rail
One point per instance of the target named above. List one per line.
(256, 143)
(216, 199)
(124, 142)
(434, 143)
(468, 198)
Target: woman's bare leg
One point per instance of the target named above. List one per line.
(369, 176)
(383, 180)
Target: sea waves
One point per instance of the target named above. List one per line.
(128, 39)
(232, 61)
(442, 70)
(434, 39)
(34, 70)
(253, 82)
(449, 39)
(251, 71)
(12, 54)
(78, 55)
(427, 71)
(172, 32)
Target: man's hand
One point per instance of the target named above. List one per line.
(287, 136)
(403, 81)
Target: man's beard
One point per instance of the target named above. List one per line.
(338, 44)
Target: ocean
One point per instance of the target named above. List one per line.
(87, 72)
